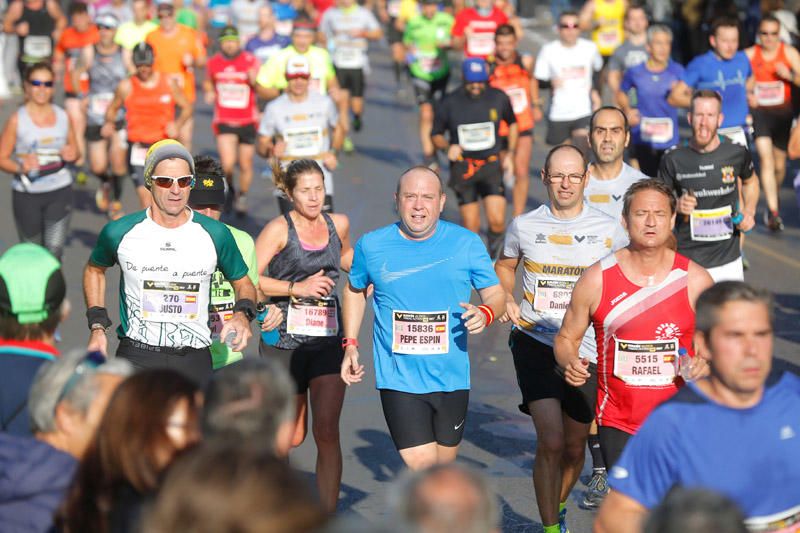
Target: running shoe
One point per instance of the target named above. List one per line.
(240, 205)
(596, 491)
(562, 520)
(357, 123)
(348, 146)
(773, 221)
(102, 197)
(81, 177)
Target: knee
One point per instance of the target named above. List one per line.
(326, 433)
(550, 446)
(574, 451)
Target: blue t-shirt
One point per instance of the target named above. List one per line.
(652, 90)
(750, 455)
(284, 11)
(418, 288)
(264, 49)
(728, 77)
(220, 13)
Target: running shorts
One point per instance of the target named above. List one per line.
(486, 181)
(776, 124)
(429, 92)
(351, 79)
(560, 131)
(245, 134)
(417, 419)
(393, 35)
(194, 363)
(504, 138)
(311, 360)
(93, 132)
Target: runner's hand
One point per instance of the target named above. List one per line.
(69, 153)
(783, 71)
(634, 118)
(454, 152)
(171, 130)
(538, 116)
(279, 148)
(188, 60)
(474, 319)
(512, 313)
(686, 204)
(752, 101)
(29, 162)
(241, 326)
(576, 373)
(107, 130)
(330, 161)
(352, 372)
(316, 286)
(748, 222)
(273, 319)
(98, 342)
(699, 368)
(22, 29)
(508, 163)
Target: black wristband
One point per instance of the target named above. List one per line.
(98, 315)
(246, 306)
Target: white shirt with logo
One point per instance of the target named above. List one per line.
(569, 70)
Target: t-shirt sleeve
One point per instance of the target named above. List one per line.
(620, 238)
(511, 244)
(746, 172)
(267, 126)
(370, 20)
(482, 273)
(458, 27)
(251, 259)
(597, 59)
(540, 69)
(440, 118)
(269, 75)
(104, 253)
(616, 61)
(359, 276)
(325, 25)
(691, 75)
(627, 81)
(666, 171)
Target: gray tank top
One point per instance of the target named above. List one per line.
(105, 74)
(296, 263)
(46, 143)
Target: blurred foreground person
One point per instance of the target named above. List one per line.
(695, 511)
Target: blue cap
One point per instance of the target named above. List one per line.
(474, 70)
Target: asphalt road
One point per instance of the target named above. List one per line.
(499, 440)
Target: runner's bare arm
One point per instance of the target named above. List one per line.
(264, 145)
(699, 280)
(624, 103)
(337, 138)
(793, 56)
(680, 95)
(70, 152)
(94, 290)
(7, 141)
(187, 109)
(750, 192)
(584, 301)
(54, 9)
(793, 150)
(585, 16)
(506, 268)
(13, 14)
(122, 92)
(354, 303)
(750, 88)
(614, 80)
(620, 514)
(494, 297)
(83, 65)
(342, 224)
(269, 243)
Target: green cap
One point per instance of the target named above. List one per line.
(31, 283)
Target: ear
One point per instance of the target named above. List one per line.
(627, 138)
(720, 120)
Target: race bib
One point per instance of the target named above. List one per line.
(303, 142)
(480, 44)
(48, 158)
(393, 8)
(476, 137)
(551, 296)
(711, 224)
(98, 103)
(770, 93)
(170, 301)
(138, 154)
(735, 134)
(38, 46)
(233, 95)
(428, 62)
(519, 99)
(646, 363)
(217, 316)
(420, 333)
(349, 54)
(609, 38)
(656, 129)
(315, 318)
(284, 27)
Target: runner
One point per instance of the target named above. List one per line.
(605, 19)
(570, 66)
(704, 175)
(266, 41)
(423, 271)
(633, 50)
(285, 14)
(643, 98)
(471, 116)
(230, 79)
(301, 124)
(475, 26)
(552, 244)
(776, 69)
(150, 99)
(303, 251)
(129, 34)
(165, 322)
(395, 14)
(120, 9)
(104, 65)
(512, 72)
(246, 15)
(427, 39)
(640, 301)
(730, 432)
(179, 53)
(208, 199)
(38, 25)
(609, 175)
(37, 144)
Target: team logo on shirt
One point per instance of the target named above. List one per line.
(493, 114)
(728, 175)
(560, 239)
(208, 183)
(541, 238)
(667, 331)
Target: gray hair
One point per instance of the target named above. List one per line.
(712, 299)
(51, 378)
(248, 401)
(476, 511)
(658, 28)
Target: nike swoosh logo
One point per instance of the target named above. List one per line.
(458, 426)
(388, 276)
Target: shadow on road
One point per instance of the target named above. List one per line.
(379, 455)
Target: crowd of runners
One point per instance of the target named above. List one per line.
(633, 335)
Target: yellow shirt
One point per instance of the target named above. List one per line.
(272, 74)
(130, 34)
(608, 18)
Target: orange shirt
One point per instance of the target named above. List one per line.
(149, 110)
(70, 45)
(170, 53)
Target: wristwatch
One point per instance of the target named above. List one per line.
(98, 325)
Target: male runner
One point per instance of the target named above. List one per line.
(734, 432)
(570, 66)
(427, 39)
(643, 97)
(422, 271)
(776, 69)
(609, 175)
(640, 301)
(230, 82)
(555, 243)
(167, 256)
(512, 72)
(394, 15)
(301, 124)
(131, 33)
(633, 51)
(471, 115)
(704, 176)
(475, 26)
(267, 41)
(605, 19)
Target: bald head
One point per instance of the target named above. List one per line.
(419, 172)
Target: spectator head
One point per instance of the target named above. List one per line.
(695, 511)
(446, 498)
(724, 37)
(222, 487)
(69, 396)
(251, 401)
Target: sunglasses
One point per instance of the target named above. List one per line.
(769, 33)
(90, 362)
(568, 26)
(165, 182)
(101, 27)
(40, 83)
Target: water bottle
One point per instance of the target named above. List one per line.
(270, 338)
(685, 365)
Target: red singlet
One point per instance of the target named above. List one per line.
(236, 100)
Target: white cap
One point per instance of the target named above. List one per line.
(298, 66)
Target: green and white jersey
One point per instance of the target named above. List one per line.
(166, 275)
(223, 299)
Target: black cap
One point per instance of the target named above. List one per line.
(208, 190)
(143, 54)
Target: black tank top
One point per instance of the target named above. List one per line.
(295, 263)
(40, 25)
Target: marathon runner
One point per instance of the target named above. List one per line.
(605, 19)
(427, 39)
(131, 33)
(266, 41)
(570, 66)
(104, 65)
(301, 124)
(150, 100)
(643, 96)
(246, 15)
(229, 84)
(640, 301)
(609, 175)
(633, 51)
(704, 176)
(776, 69)
(37, 144)
(512, 72)
(120, 9)
(285, 14)
(395, 14)
(475, 26)
(471, 117)
(38, 25)
(167, 256)
(554, 243)
(303, 251)
(423, 270)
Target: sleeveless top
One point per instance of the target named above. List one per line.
(515, 81)
(38, 44)
(639, 331)
(609, 33)
(106, 72)
(771, 90)
(46, 142)
(149, 110)
(295, 263)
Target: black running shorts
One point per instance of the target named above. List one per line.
(417, 419)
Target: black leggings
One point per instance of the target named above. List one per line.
(612, 442)
(43, 218)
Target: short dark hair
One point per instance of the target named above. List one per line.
(609, 108)
(505, 29)
(568, 13)
(712, 299)
(705, 93)
(11, 329)
(695, 511)
(650, 184)
(555, 149)
(635, 7)
(77, 8)
(723, 22)
(769, 17)
(36, 67)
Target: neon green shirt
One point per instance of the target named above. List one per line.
(273, 73)
(130, 34)
(424, 37)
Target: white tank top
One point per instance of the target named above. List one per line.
(46, 143)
